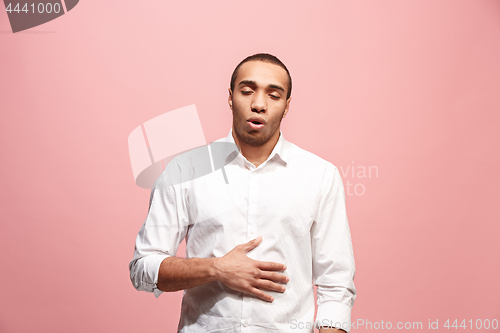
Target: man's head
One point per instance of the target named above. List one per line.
(266, 58)
(259, 96)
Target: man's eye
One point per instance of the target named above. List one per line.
(246, 92)
(274, 97)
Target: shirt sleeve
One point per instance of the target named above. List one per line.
(333, 257)
(160, 235)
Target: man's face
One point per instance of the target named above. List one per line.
(259, 102)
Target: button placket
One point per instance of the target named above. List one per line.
(251, 206)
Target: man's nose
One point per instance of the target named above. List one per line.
(259, 102)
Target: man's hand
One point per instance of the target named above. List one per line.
(237, 271)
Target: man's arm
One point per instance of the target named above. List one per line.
(333, 258)
(235, 270)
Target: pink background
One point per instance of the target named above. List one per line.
(410, 87)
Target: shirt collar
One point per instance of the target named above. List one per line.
(280, 150)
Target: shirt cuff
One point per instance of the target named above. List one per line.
(334, 314)
(157, 292)
(153, 269)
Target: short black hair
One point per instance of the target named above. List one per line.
(266, 57)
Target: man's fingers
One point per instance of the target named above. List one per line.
(271, 266)
(276, 277)
(249, 246)
(269, 285)
(262, 295)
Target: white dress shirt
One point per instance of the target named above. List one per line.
(295, 200)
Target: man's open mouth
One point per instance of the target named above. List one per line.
(256, 124)
(256, 120)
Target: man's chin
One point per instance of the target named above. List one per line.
(254, 139)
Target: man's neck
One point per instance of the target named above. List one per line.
(257, 154)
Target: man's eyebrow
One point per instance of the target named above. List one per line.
(253, 83)
(247, 83)
(275, 86)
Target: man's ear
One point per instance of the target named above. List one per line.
(287, 106)
(230, 98)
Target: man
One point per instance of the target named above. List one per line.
(256, 244)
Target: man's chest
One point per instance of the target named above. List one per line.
(276, 204)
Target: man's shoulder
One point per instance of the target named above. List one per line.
(301, 155)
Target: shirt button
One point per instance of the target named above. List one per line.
(245, 323)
